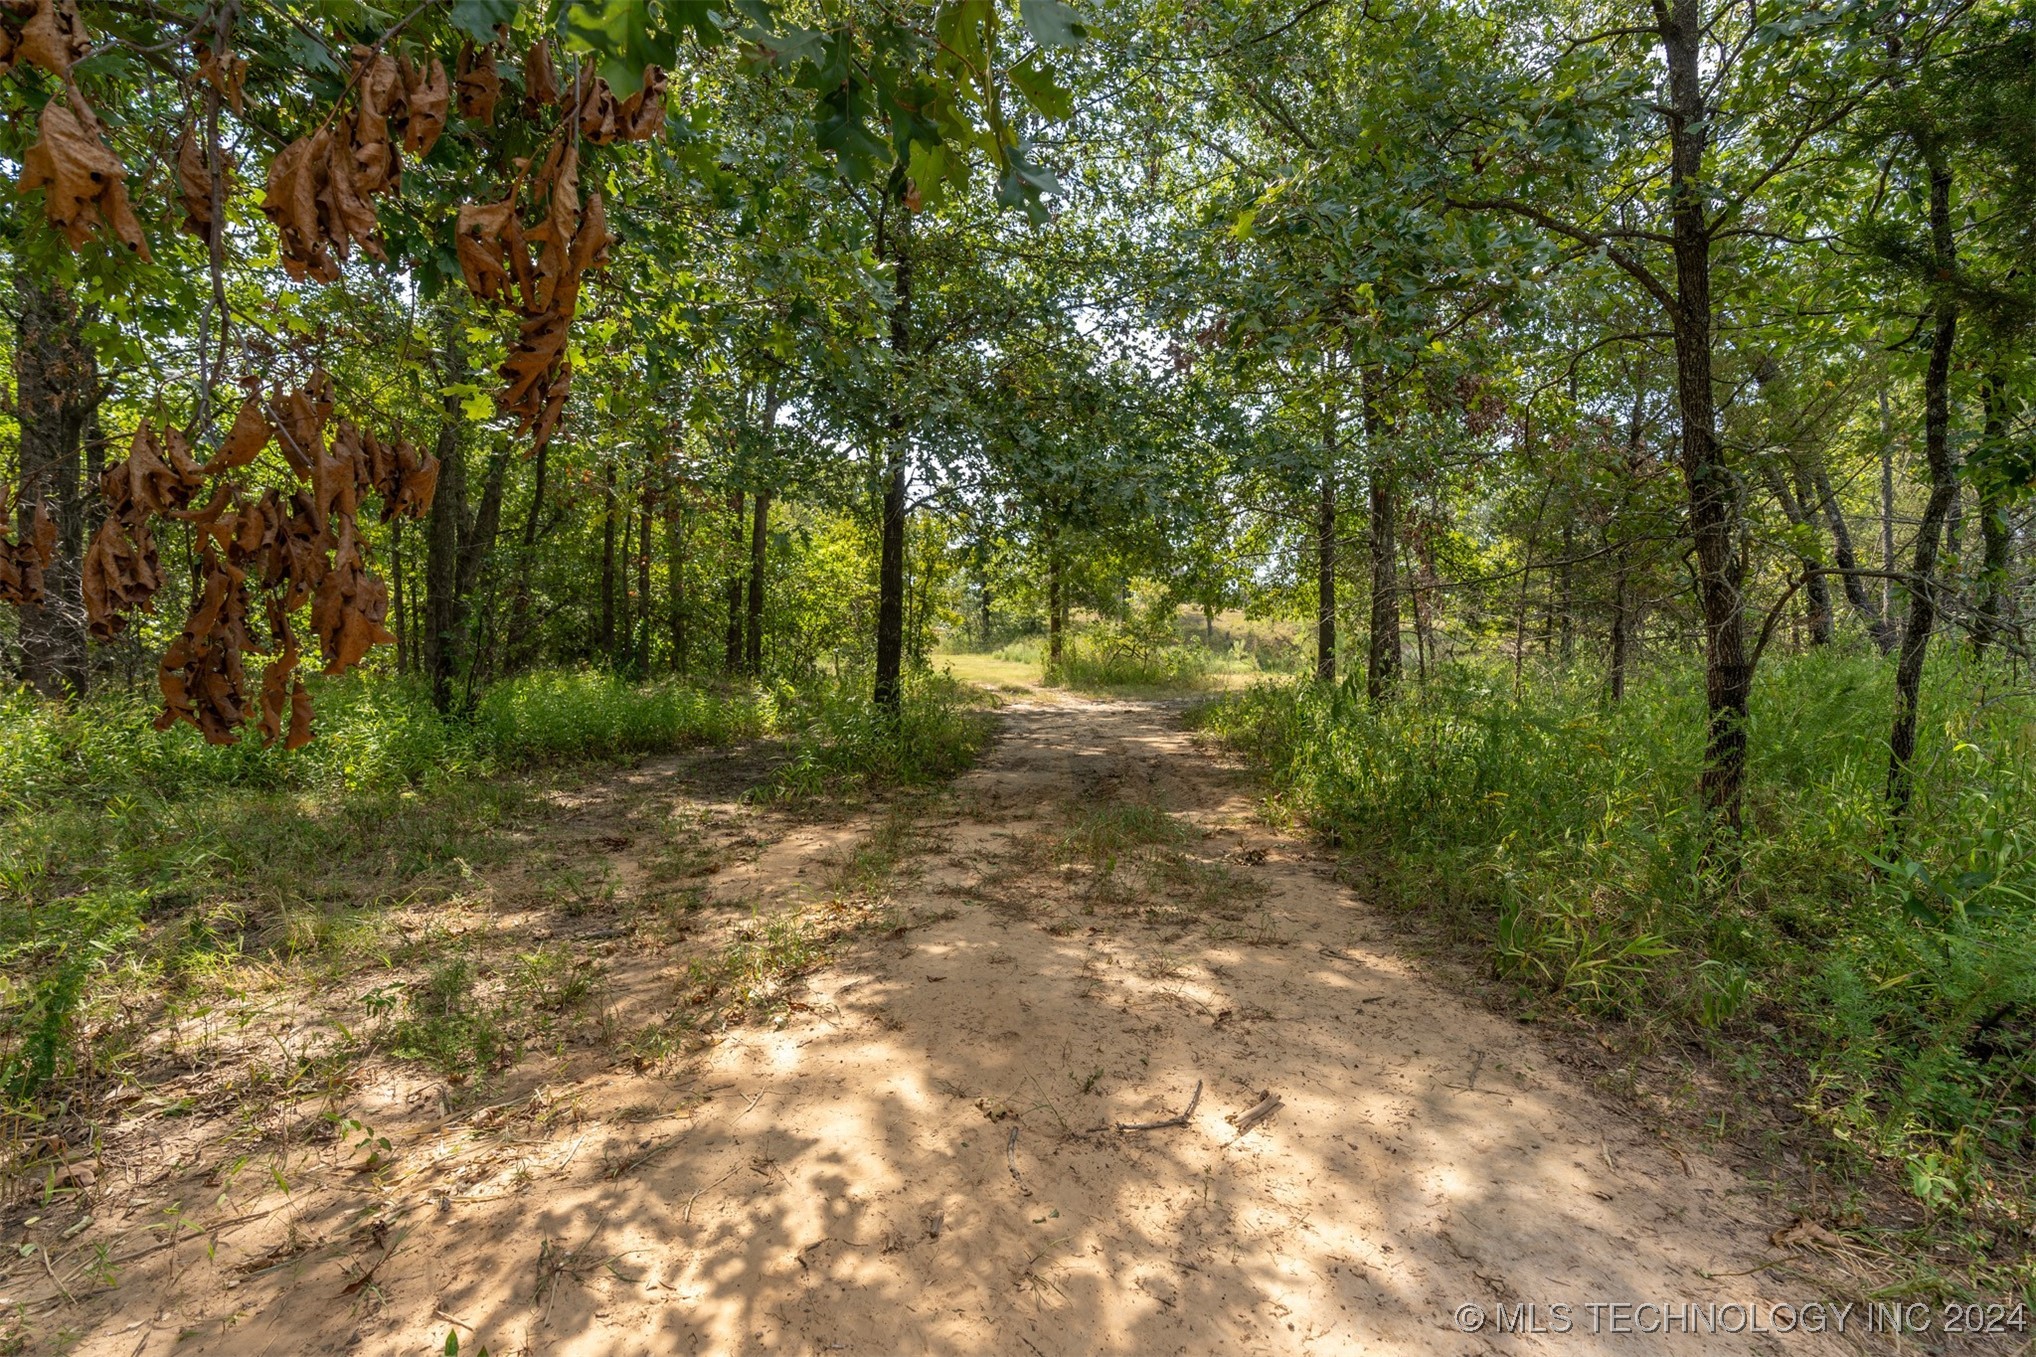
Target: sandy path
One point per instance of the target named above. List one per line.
(909, 1163)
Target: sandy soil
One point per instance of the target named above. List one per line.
(920, 1154)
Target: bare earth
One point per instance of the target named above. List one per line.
(920, 1156)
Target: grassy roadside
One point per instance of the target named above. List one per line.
(1890, 995)
(148, 879)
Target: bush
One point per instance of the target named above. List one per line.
(563, 716)
(1562, 833)
(845, 741)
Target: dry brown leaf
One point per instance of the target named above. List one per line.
(155, 477)
(292, 201)
(540, 79)
(194, 182)
(84, 184)
(250, 434)
(225, 72)
(379, 100)
(642, 115)
(52, 38)
(201, 675)
(23, 564)
(479, 84)
(348, 216)
(429, 96)
(349, 607)
(491, 249)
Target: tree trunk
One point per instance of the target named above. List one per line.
(605, 641)
(732, 647)
(1856, 594)
(1943, 488)
(1382, 654)
(1795, 507)
(1055, 610)
(56, 386)
(623, 647)
(458, 540)
(759, 544)
(523, 645)
(1325, 569)
(646, 533)
(404, 640)
(1887, 521)
(1711, 487)
(442, 619)
(681, 525)
(891, 567)
(1991, 621)
(1615, 680)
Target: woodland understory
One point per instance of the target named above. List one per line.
(1575, 454)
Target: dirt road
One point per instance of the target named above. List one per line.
(922, 1155)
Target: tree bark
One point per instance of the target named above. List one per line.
(442, 620)
(1922, 582)
(681, 525)
(623, 648)
(759, 545)
(731, 659)
(891, 566)
(1887, 521)
(1055, 605)
(1325, 557)
(1382, 654)
(1711, 487)
(605, 641)
(645, 535)
(56, 387)
(523, 646)
(1991, 621)
(458, 540)
(1856, 594)
(1615, 679)
(1816, 586)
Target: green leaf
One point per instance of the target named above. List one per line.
(625, 38)
(1036, 83)
(1051, 22)
(478, 19)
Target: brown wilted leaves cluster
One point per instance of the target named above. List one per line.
(84, 184)
(293, 548)
(529, 252)
(321, 186)
(22, 563)
(43, 33)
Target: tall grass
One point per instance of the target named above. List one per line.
(1561, 834)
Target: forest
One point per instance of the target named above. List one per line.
(1171, 628)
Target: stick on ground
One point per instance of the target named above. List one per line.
(1179, 1120)
(1267, 1104)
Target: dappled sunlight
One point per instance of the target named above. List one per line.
(924, 1155)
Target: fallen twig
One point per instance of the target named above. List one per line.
(648, 1155)
(1181, 1119)
(1267, 1104)
(1011, 1160)
(686, 1215)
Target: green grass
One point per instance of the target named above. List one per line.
(1560, 835)
(132, 860)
